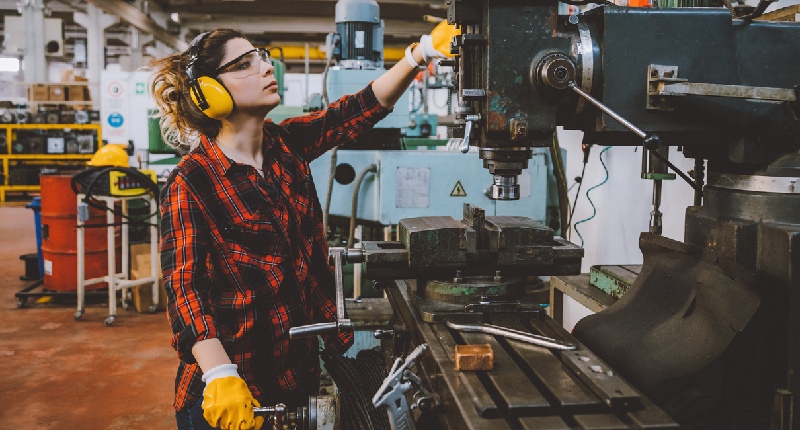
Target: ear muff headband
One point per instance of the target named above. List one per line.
(194, 88)
(210, 96)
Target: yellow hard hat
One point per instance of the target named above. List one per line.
(110, 155)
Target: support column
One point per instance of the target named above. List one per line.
(95, 22)
(138, 40)
(35, 66)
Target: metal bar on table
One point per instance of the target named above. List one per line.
(513, 334)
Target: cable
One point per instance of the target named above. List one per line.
(414, 99)
(586, 151)
(575, 182)
(594, 209)
(575, 201)
(99, 175)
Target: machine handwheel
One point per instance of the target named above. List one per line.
(109, 321)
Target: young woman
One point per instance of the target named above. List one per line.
(243, 254)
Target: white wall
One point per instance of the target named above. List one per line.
(780, 4)
(623, 206)
(294, 85)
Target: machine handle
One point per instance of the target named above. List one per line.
(468, 131)
(312, 330)
(280, 408)
(337, 256)
(651, 142)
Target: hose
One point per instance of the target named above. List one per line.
(86, 182)
(328, 60)
(327, 209)
(373, 168)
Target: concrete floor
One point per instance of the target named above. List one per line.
(58, 373)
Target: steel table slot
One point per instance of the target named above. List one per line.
(544, 423)
(602, 380)
(571, 394)
(651, 417)
(469, 381)
(600, 422)
(549, 328)
(519, 393)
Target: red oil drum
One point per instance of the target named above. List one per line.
(60, 239)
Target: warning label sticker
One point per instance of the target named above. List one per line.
(458, 190)
(413, 187)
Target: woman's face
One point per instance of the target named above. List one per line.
(248, 75)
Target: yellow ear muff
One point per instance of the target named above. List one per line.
(220, 103)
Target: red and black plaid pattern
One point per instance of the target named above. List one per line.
(244, 257)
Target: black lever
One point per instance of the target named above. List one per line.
(650, 141)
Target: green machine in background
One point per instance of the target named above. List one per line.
(156, 144)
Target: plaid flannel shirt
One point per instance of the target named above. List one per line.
(244, 257)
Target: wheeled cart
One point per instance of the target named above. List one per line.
(117, 280)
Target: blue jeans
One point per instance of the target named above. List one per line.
(192, 418)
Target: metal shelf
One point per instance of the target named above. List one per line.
(21, 94)
(47, 156)
(7, 158)
(52, 126)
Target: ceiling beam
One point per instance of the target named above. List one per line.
(136, 18)
(293, 24)
(434, 3)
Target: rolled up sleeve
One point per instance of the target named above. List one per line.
(184, 250)
(344, 120)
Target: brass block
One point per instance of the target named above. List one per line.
(474, 357)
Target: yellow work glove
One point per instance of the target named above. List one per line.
(227, 401)
(437, 44)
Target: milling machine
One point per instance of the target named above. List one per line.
(706, 338)
(379, 179)
(709, 329)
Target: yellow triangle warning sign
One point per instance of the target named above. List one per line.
(458, 190)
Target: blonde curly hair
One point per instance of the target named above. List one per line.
(180, 119)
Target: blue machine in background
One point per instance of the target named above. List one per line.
(422, 125)
(397, 183)
(357, 47)
(415, 183)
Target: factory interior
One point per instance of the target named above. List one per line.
(583, 215)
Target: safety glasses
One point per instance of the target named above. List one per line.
(245, 65)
